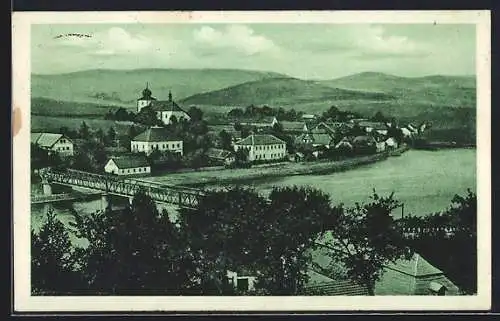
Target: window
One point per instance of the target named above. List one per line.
(178, 145)
(242, 284)
(140, 169)
(164, 146)
(134, 170)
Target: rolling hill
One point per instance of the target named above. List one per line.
(123, 87)
(451, 91)
(283, 91)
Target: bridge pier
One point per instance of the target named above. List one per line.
(47, 188)
(105, 201)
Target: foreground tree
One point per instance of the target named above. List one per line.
(51, 262)
(222, 232)
(365, 238)
(133, 251)
(290, 227)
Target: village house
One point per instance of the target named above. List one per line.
(345, 143)
(314, 139)
(156, 138)
(391, 143)
(128, 165)
(262, 147)
(412, 275)
(54, 143)
(241, 281)
(370, 127)
(220, 156)
(167, 111)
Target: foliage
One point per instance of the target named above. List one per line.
(84, 131)
(195, 113)
(337, 115)
(51, 262)
(292, 222)
(90, 156)
(256, 112)
(121, 114)
(41, 158)
(225, 140)
(365, 238)
(460, 263)
(222, 231)
(147, 116)
(133, 251)
(237, 229)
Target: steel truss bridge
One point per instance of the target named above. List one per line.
(126, 187)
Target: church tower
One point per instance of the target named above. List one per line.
(146, 98)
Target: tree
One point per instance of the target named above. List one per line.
(111, 136)
(133, 251)
(100, 136)
(241, 156)
(84, 131)
(223, 231)
(148, 117)
(365, 238)
(195, 113)
(52, 267)
(225, 140)
(290, 227)
(379, 117)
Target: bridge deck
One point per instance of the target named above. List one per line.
(182, 196)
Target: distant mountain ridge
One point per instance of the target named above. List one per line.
(123, 87)
(279, 91)
(441, 99)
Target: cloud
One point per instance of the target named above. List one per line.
(238, 38)
(113, 41)
(366, 41)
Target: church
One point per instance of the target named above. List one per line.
(167, 111)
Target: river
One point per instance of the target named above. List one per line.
(425, 181)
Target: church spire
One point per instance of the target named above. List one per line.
(169, 95)
(146, 93)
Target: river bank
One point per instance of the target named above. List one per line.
(240, 175)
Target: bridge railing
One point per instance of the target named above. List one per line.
(188, 197)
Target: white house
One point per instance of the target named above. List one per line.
(166, 111)
(241, 282)
(57, 143)
(156, 138)
(262, 147)
(128, 165)
(391, 143)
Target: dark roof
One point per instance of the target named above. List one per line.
(263, 139)
(403, 277)
(374, 125)
(218, 153)
(155, 134)
(130, 161)
(364, 139)
(320, 284)
(321, 138)
(166, 105)
(46, 139)
(292, 125)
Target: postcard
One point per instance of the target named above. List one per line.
(251, 161)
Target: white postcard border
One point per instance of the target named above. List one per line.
(24, 302)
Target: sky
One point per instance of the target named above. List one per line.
(307, 51)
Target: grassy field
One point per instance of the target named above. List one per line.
(53, 124)
(55, 108)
